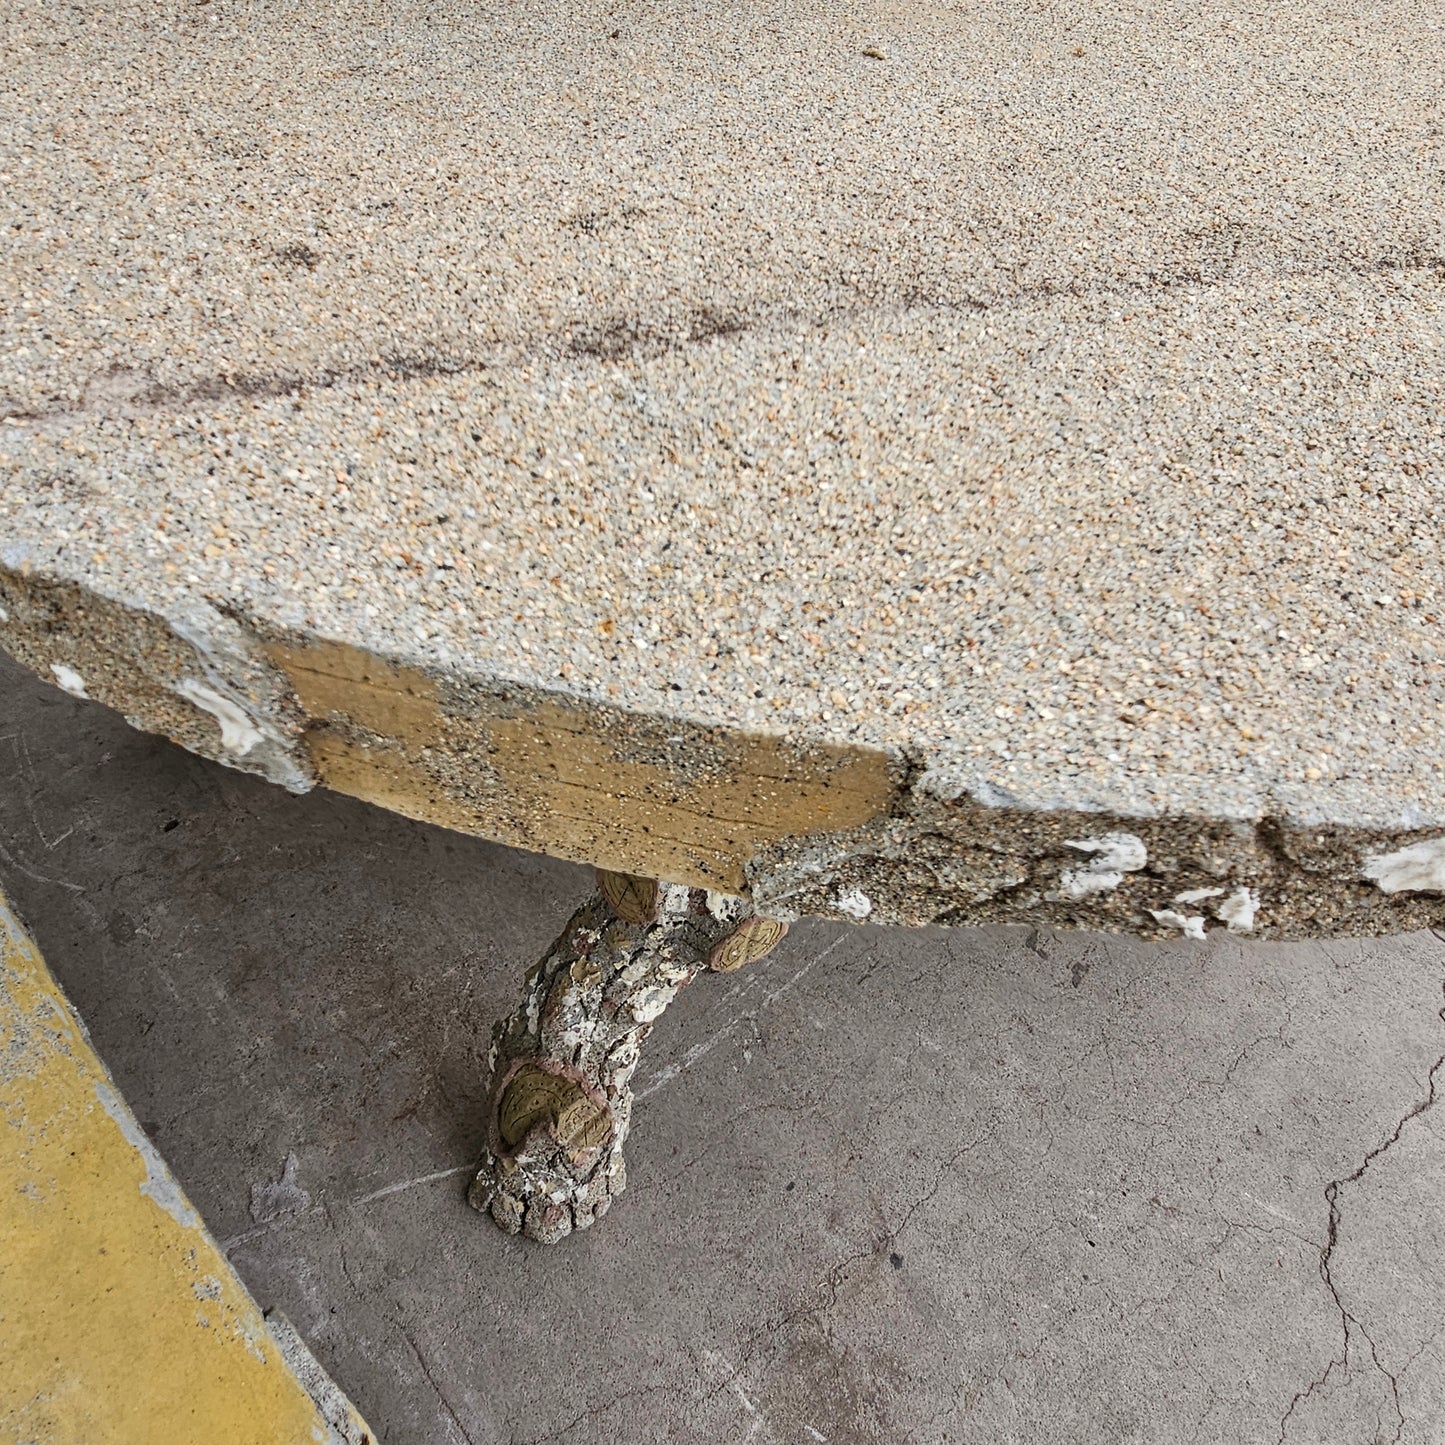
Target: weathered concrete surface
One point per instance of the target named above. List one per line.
(122, 1322)
(922, 1186)
(941, 433)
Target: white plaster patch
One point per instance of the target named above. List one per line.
(158, 1183)
(69, 679)
(276, 1199)
(855, 903)
(1198, 895)
(1191, 926)
(650, 1002)
(221, 647)
(1115, 855)
(721, 905)
(674, 900)
(1238, 910)
(238, 733)
(1420, 868)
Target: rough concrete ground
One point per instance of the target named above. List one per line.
(921, 1186)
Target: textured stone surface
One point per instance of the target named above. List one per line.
(934, 1186)
(1037, 407)
(559, 1095)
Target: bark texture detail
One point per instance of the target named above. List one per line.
(559, 1101)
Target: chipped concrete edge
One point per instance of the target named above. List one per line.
(346, 1426)
(807, 827)
(159, 1183)
(193, 677)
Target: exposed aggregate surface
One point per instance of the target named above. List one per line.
(1054, 392)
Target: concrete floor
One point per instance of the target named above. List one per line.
(887, 1186)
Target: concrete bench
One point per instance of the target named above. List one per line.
(925, 466)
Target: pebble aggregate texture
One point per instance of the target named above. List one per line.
(1017, 427)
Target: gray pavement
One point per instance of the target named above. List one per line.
(971, 1185)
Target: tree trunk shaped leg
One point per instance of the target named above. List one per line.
(559, 1102)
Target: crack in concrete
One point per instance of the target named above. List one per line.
(724, 1127)
(877, 1245)
(595, 1412)
(1349, 1322)
(1278, 1035)
(431, 1380)
(396, 1320)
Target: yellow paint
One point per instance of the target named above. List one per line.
(652, 797)
(120, 1321)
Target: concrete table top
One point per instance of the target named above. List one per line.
(913, 462)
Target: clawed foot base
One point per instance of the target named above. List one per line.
(523, 1199)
